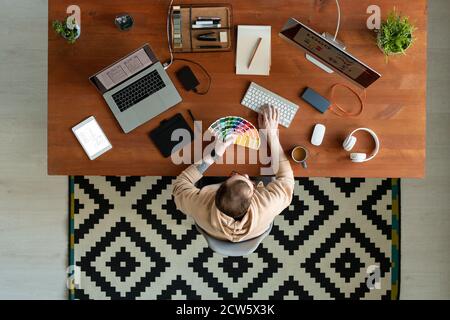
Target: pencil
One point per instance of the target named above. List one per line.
(254, 52)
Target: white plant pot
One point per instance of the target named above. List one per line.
(77, 27)
(392, 53)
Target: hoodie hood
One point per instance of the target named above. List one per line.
(234, 230)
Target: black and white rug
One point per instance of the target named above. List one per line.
(128, 241)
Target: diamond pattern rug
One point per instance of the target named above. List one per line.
(128, 241)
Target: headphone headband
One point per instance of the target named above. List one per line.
(375, 138)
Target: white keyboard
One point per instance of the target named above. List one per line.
(257, 96)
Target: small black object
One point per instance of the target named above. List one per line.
(124, 21)
(187, 78)
(316, 100)
(162, 136)
(210, 36)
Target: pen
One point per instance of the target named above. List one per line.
(209, 47)
(208, 18)
(254, 52)
(207, 34)
(210, 36)
(193, 119)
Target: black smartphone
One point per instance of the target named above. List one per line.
(316, 100)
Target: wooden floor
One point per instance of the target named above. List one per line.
(33, 206)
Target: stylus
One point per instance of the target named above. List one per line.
(195, 122)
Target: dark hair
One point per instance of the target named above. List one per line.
(232, 198)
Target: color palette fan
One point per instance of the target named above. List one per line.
(247, 134)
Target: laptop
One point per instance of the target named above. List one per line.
(136, 88)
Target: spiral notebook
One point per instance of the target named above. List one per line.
(247, 41)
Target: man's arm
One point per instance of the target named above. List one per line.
(186, 195)
(283, 186)
(206, 162)
(278, 194)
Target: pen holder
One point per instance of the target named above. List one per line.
(190, 22)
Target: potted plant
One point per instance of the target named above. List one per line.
(69, 29)
(395, 35)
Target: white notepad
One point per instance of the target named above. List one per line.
(247, 39)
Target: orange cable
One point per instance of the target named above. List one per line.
(341, 111)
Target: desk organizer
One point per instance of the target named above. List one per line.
(184, 34)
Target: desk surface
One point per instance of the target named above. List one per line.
(395, 107)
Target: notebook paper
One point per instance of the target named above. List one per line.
(247, 39)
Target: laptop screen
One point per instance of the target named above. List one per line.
(123, 69)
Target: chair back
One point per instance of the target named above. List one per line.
(234, 249)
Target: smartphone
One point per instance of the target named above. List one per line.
(316, 100)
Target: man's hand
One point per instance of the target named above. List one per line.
(219, 149)
(222, 146)
(268, 120)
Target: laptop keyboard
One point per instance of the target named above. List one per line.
(138, 91)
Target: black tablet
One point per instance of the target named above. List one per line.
(172, 135)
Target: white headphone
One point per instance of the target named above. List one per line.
(350, 142)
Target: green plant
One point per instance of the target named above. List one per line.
(396, 34)
(67, 29)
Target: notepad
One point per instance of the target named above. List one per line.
(247, 39)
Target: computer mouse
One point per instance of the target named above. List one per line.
(318, 134)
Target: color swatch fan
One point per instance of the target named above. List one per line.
(247, 134)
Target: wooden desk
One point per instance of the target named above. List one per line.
(395, 106)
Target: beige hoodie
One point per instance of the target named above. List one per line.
(268, 202)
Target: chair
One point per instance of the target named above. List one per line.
(233, 249)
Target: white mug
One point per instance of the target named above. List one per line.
(300, 154)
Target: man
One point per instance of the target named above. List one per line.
(237, 210)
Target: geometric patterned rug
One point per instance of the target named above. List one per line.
(128, 241)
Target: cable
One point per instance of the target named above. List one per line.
(341, 111)
(339, 20)
(203, 69)
(169, 15)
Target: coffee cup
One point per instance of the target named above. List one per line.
(300, 154)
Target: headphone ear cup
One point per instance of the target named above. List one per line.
(349, 143)
(358, 157)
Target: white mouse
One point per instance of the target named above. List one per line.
(318, 135)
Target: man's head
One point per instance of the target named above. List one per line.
(234, 195)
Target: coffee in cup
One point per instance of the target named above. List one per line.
(300, 155)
